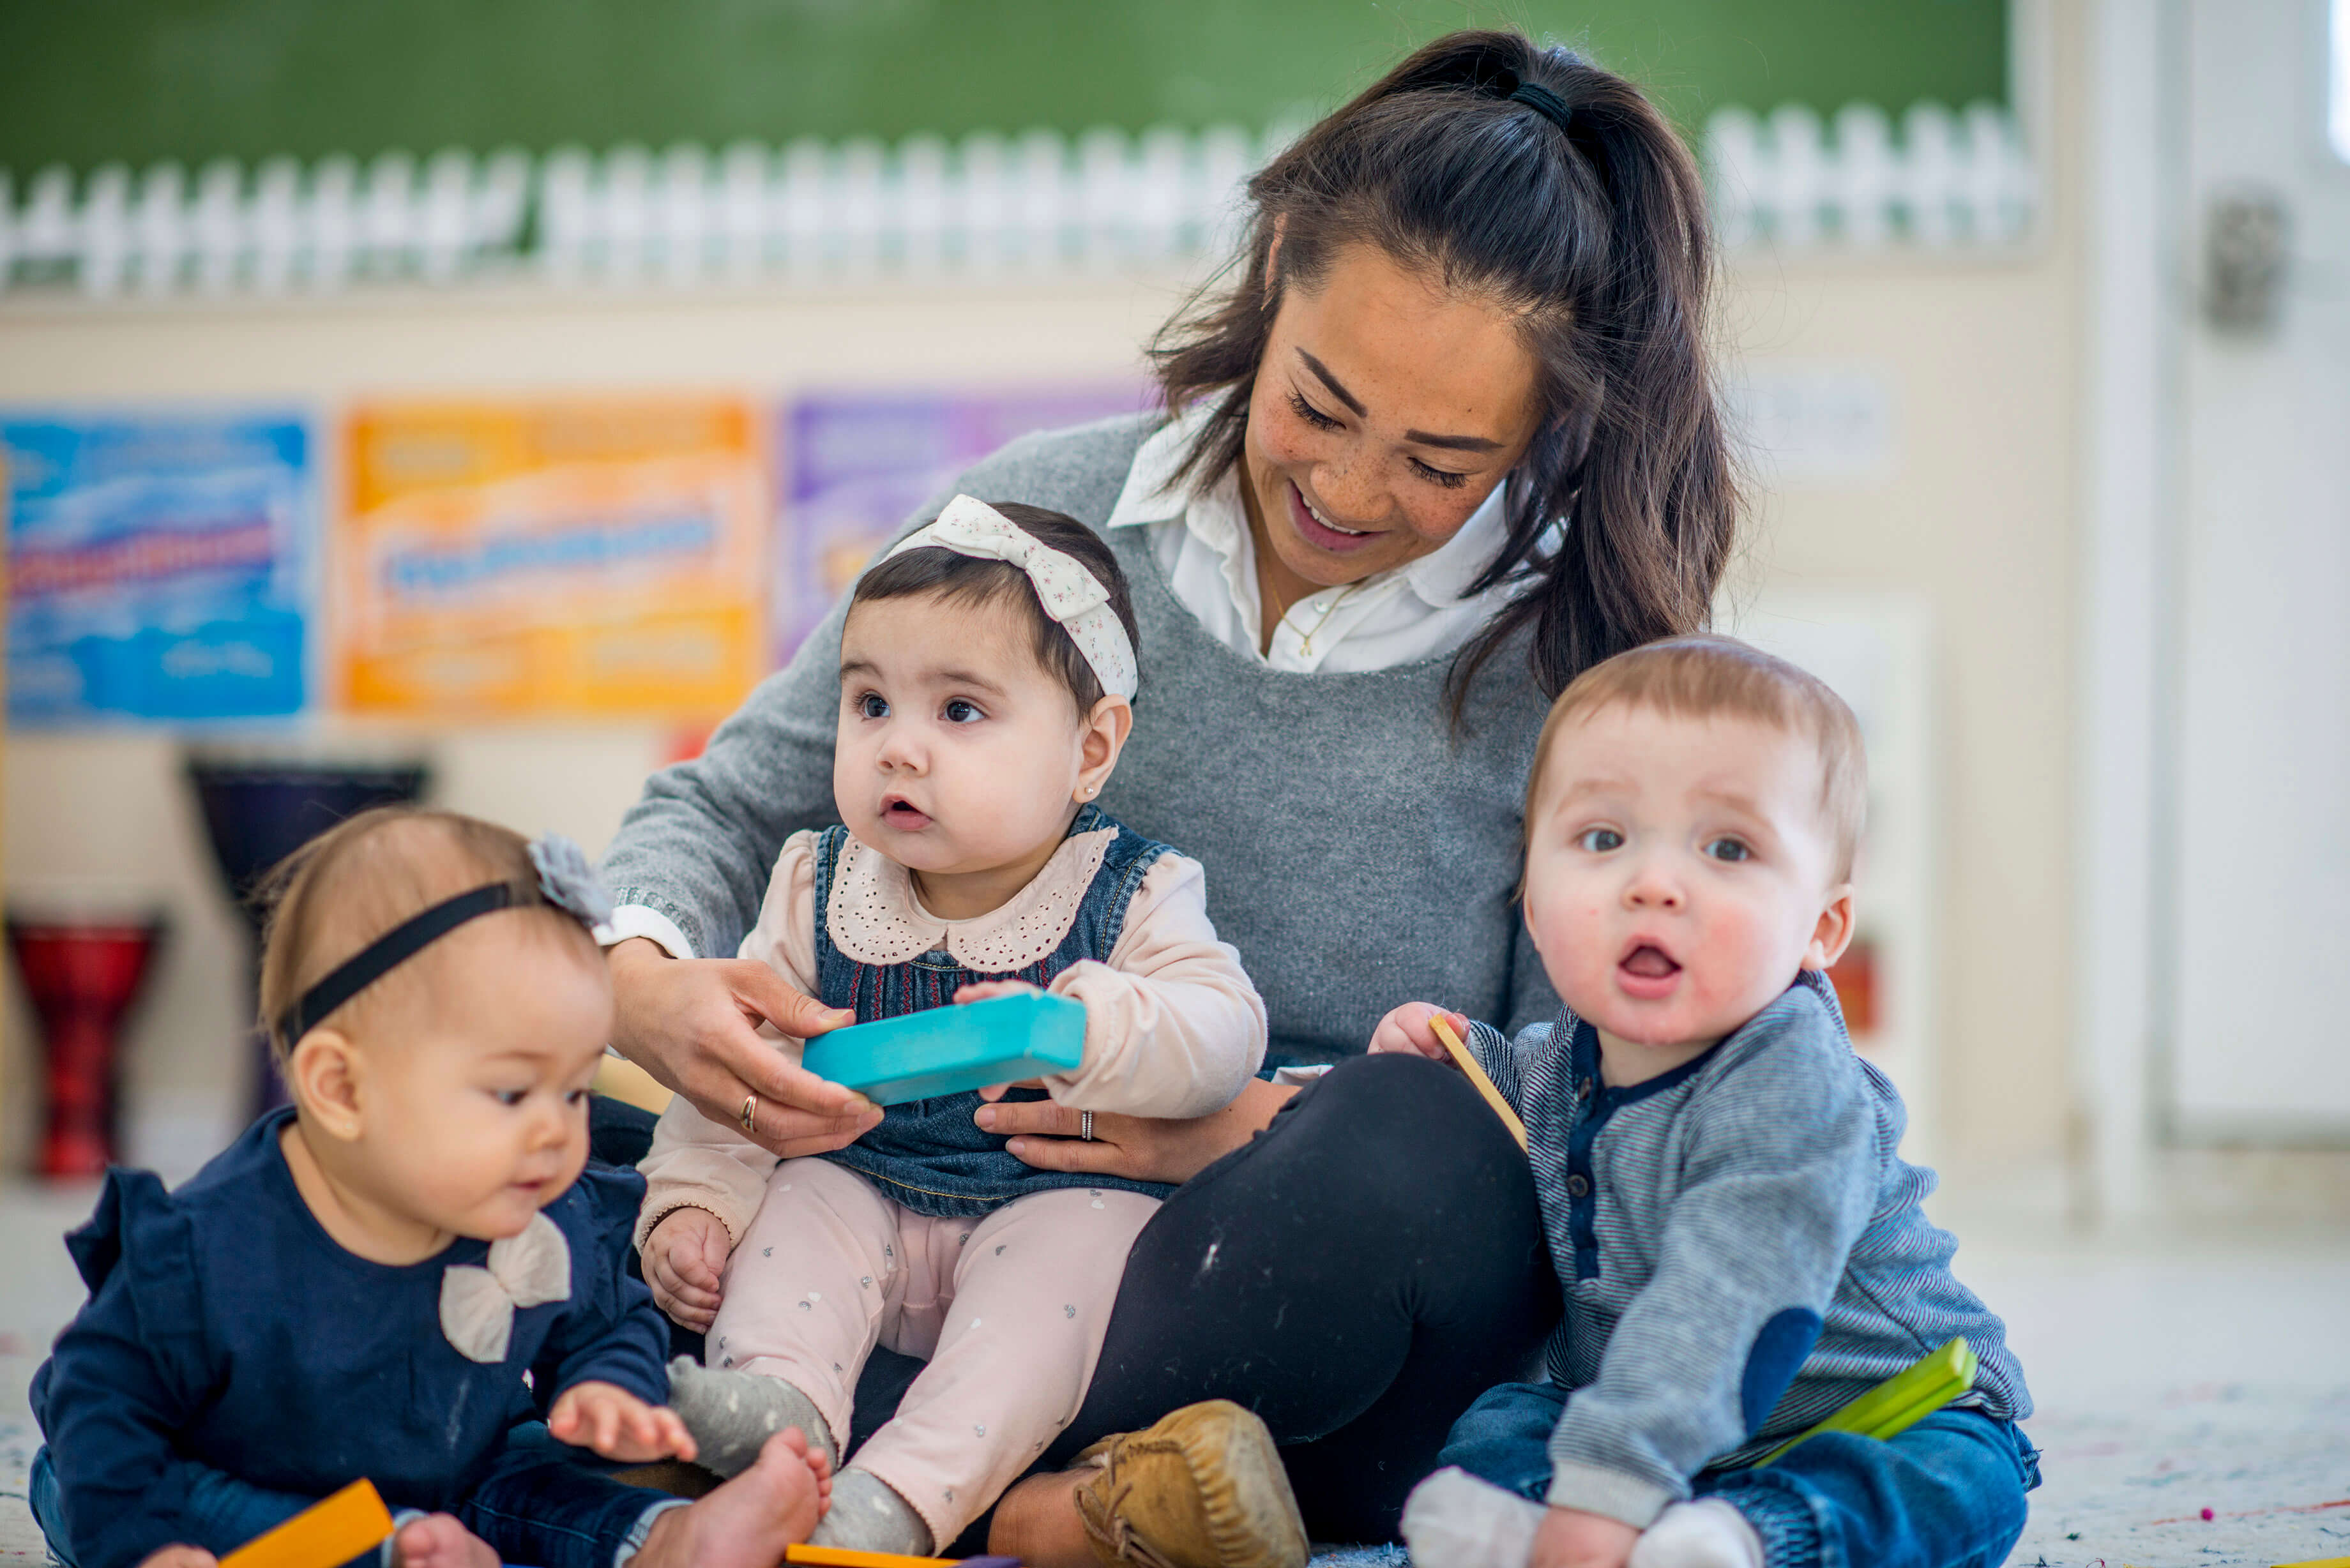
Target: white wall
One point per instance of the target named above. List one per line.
(112, 809)
(1975, 516)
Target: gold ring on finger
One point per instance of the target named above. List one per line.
(750, 1112)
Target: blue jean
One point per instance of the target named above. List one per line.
(543, 1503)
(1947, 1493)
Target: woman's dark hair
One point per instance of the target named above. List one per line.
(972, 579)
(1593, 238)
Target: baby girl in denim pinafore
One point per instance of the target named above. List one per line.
(987, 673)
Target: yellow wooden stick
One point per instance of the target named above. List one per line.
(323, 1535)
(842, 1557)
(1467, 1065)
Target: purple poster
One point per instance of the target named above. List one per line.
(856, 464)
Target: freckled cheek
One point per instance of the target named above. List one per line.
(1436, 524)
(1279, 442)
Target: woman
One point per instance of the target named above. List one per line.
(1449, 439)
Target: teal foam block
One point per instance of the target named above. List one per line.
(948, 1050)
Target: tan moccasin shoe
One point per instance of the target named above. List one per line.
(1201, 1488)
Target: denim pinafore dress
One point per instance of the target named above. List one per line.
(928, 1155)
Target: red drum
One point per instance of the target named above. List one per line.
(82, 976)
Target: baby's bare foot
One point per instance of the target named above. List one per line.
(747, 1523)
(438, 1540)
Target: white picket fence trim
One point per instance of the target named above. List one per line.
(1035, 204)
(1949, 180)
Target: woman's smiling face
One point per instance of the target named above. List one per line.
(1385, 411)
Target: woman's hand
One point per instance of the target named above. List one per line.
(179, 1557)
(685, 1260)
(618, 1425)
(1408, 1028)
(1139, 1148)
(1570, 1538)
(693, 1024)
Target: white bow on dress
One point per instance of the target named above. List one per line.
(478, 1300)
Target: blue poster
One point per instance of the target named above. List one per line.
(159, 565)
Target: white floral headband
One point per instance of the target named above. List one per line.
(1071, 595)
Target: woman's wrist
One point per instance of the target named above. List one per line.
(634, 950)
(630, 962)
(1251, 1111)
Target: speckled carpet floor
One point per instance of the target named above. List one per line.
(2194, 1401)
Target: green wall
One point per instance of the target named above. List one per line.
(87, 81)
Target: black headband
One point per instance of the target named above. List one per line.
(566, 882)
(394, 948)
(1544, 102)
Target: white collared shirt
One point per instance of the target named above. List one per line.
(1201, 541)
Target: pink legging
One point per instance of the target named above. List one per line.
(1009, 1310)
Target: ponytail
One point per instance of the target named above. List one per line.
(1552, 188)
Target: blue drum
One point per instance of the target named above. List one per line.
(257, 812)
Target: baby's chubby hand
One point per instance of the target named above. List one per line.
(1407, 1029)
(684, 1259)
(1570, 1538)
(618, 1425)
(984, 991)
(987, 990)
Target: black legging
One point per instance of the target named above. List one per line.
(1357, 1275)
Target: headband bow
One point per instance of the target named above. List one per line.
(1071, 595)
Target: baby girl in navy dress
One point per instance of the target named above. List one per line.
(399, 1274)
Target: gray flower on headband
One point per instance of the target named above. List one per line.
(570, 883)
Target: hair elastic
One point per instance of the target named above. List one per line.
(565, 883)
(1544, 102)
(1071, 595)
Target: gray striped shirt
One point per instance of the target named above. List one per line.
(1741, 1246)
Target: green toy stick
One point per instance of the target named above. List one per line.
(1900, 1402)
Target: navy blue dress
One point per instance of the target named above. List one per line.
(226, 1332)
(928, 1155)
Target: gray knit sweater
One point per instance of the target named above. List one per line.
(1741, 1248)
(1358, 852)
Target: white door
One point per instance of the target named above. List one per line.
(2258, 981)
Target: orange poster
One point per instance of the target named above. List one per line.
(555, 556)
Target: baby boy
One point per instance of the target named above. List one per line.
(1740, 1249)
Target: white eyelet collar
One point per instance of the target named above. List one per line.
(873, 916)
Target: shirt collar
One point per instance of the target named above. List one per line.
(1155, 494)
(873, 915)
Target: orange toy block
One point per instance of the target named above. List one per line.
(324, 1535)
(842, 1557)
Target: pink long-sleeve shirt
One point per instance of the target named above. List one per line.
(1173, 1026)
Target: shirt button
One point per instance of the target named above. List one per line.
(1576, 1186)
(1583, 1089)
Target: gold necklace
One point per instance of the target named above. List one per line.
(1305, 643)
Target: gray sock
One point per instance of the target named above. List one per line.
(733, 1413)
(868, 1515)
